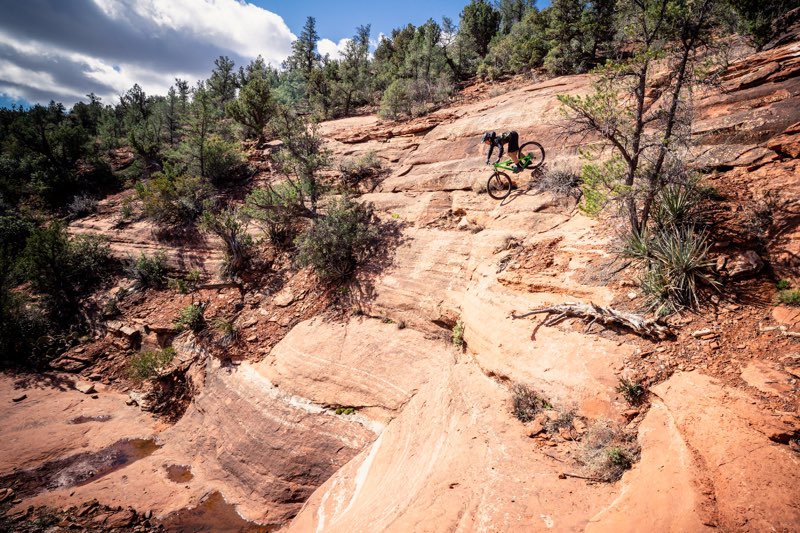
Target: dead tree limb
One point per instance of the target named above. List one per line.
(603, 315)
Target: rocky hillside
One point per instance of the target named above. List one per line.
(374, 419)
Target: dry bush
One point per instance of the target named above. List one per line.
(607, 451)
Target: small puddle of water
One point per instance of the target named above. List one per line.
(79, 469)
(213, 514)
(83, 419)
(179, 473)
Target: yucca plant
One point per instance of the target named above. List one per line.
(677, 205)
(678, 267)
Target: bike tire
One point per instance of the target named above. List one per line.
(536, 151)
(499, 186)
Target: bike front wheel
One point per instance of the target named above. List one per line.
(499, 186)
(533, 150)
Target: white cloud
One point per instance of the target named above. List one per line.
(326, 46)
(105, 46)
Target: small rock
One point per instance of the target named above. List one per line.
(537, 426)
(632, 295)
(130, 401)
(95, 396)
(702, 332)
(120, 519)
(95, 377)
(86, 388)
(16, 399)
(745, 264)
(6, 494)
(630, 413)
(252, 338)
(148, 514)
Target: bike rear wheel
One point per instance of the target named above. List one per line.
(536, 153)
(499, 186)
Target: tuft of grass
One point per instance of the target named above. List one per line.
(789, 297)
(345, 410)
(191, 317)
(458, 334)
(226, 329)
(527, 403)
(783, 284)
(631, 390)
(145, 365)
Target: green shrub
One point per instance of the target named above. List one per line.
(62, 269)
(274, 208)
(789, 297)
(678, 204)
(173, 201)
(527, 403)
(339, 240)
(224, 161)
(783, 284)
(145, 365)
(345, 410)
(148, 271)
(633, 391)
(191, 318)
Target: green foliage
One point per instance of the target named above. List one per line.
(191, 318)
(276, 207)
(600, 182)
(675, 265)
(527, 403)
(226, 329)
(224, 161)
(480, 21)
(341, 239)
(783, 284)
(763, 20)
(145, 365)
(457, 337)
(173, 201)
(254, 106)
(789, 297)
(345, 410)
(618, 458)
(633, 391)
(148, 271)
(229, 226)
(63, 269)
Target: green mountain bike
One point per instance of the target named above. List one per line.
(531, 157)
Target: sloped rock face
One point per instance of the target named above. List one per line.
(424, 439)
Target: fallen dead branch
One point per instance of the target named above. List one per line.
(605, 316)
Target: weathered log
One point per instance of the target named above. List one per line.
(603, 315)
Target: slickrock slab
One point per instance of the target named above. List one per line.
(454, 459)
(365, 363)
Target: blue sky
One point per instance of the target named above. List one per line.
(338, 20)
(62, 50)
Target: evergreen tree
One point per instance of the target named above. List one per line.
(480, 20)
(222, 83)
(354, 68)
(511, 12)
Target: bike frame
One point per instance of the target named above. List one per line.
(506, 165)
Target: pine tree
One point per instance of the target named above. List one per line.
(222, 83)
(480, 20)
